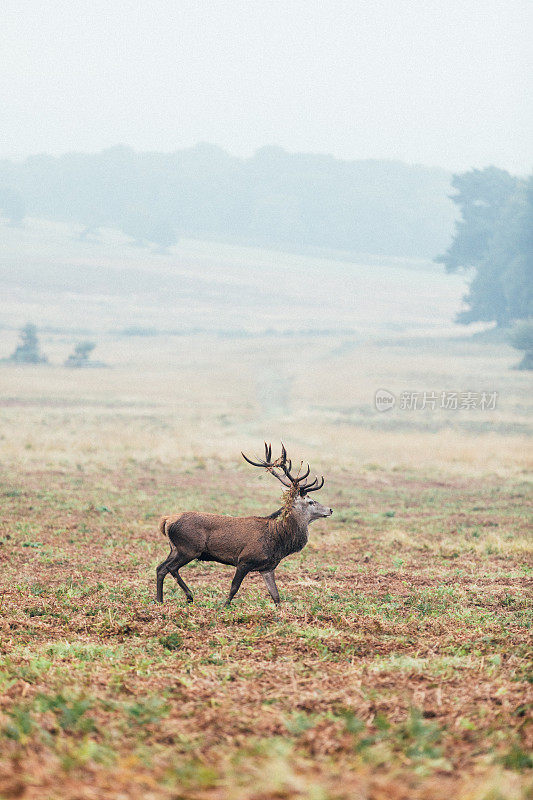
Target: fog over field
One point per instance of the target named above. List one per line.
(225, 224)
(442, 84)
(104, 284)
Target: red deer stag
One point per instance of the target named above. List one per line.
(251, 544)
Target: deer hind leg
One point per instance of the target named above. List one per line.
(240, 574)
(175, 574)
(161, 573)
(172, 564)
(270, 582)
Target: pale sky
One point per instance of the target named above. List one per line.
(437, 82)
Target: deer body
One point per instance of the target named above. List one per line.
(255, 544)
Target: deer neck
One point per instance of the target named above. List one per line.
(289, 532)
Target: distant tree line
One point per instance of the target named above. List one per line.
(494, 239)
(273, 198)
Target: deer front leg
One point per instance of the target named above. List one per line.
(240, 574)
(270, 582)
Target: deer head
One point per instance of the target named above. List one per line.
(296, 499)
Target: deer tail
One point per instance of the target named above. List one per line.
(163, 525)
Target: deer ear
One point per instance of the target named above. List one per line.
(302, 492)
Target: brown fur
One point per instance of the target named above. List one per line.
(247, 543)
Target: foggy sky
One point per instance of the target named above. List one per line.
(437, 82)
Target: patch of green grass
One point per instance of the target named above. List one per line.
(435, 665)
(70, 713)
(172, 642)
(81, 651)
(19, 726)
(516, 758)
(148, 711)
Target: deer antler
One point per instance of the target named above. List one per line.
(294, 482)
(310, 487)
(270, 465)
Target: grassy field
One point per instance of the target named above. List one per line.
(396, 667)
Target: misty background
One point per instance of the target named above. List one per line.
(269, 167)
(229, 222)
(440, 84)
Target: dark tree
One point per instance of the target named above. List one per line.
(27, 351)
(80, 356)
(494, 237)
(522, 339)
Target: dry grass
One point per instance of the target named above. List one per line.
(168, 397)
(397, 666)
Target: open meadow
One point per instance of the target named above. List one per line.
(397, 666)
